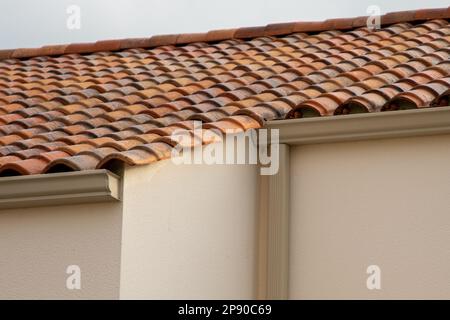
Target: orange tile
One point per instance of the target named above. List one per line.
(85, 106)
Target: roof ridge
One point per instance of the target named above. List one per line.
(274, 29)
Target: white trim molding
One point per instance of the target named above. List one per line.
(59, 189)
(379, 125)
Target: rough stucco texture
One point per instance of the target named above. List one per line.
(185, 231)
(382, 202)
(189, 232)
(38, 244)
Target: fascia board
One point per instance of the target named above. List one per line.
(390, 124)
(59, 189)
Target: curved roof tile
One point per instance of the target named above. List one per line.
(89, 105)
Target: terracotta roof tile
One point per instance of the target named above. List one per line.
(87, 105)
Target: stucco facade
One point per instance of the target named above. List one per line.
(180, 231)
(381, 202)
(189, 232)
(38, 244)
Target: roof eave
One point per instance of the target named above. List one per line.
(390, 124)
(59, 189)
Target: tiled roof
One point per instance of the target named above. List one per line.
(84, 106)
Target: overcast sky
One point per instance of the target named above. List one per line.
(33, 23)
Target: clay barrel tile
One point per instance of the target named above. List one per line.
(163, 40)
(220, 35)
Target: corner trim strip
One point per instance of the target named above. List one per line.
(274, 232)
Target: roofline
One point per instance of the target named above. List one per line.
(275, 29)
(101, 185)
(59, 189)
(363, 126)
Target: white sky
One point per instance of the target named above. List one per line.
(33, 23)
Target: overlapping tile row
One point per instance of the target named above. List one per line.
(86, 111)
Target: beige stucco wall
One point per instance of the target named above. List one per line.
(38, 244)
(181, 231)
(189, 232)
(381, 202)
